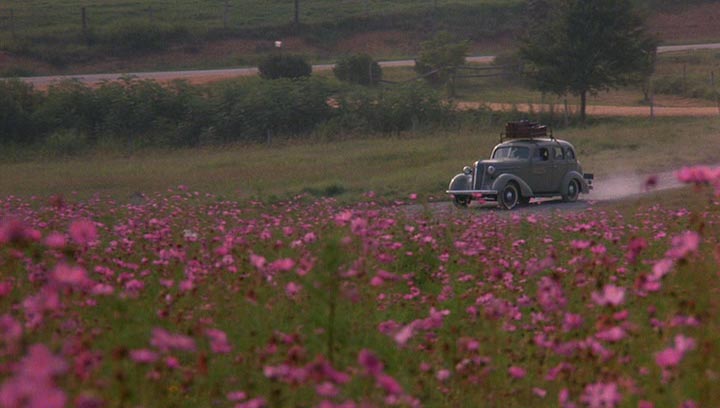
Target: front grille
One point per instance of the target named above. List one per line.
(478, 179)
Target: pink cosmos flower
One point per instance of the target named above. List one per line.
(32, 385)
(327, 390)
(292, 289)
(55, 240)
(613, 334)
(683, 245)
(370, 362)
(601, 395)
(389, 384)
(670, 357)
(5, 288)
(83, 232)
(517, 372)
(442, 375)
(68, 275)
(572, 321)
(539, 392)
(236, 396)
(143, 356)
(166, 341)
(610, 295)
(684, 344)
(402, 336)
(218, 341)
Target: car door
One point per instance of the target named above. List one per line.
(559, 167)
(541, 170)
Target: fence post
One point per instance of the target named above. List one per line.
(715, 92)
(652, 100)
(566, 111)
(83, 16)
(297, 12)
(226, 11)
(12, 23)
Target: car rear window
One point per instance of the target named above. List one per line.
(511, 152)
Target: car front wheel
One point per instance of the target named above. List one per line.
(572, 192)
(461, 201)
(509, 196)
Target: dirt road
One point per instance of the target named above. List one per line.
(620, 187)
(205, 76)
(601, 110)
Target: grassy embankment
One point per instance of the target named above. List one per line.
(422, 162)
(54, 35)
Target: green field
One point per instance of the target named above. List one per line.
(420, 162)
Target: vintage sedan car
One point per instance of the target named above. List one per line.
(527, 163)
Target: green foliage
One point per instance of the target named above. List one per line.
(440, 56)
(585, 47)
(255, 110)
(284, 66)
(18, 100)
(358, 69)
(132, 113)
(401, 108)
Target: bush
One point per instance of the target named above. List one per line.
(442, 54)
(258, 109)
(405, 107)
(358, 69)
(18, 102)
(284, 66)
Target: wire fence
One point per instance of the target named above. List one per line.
(34, 18)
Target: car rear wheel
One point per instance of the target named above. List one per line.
(461, 201)
(509, 197)
(572, 192)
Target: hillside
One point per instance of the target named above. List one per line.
(384, 32)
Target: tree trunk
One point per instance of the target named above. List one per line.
(583, 105)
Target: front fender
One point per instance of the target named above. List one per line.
(461, 181)
(503, 179)
(584, 186)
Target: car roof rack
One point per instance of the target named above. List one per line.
(525, 129)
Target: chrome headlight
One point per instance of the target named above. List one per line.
(467, 170)
(491, 170)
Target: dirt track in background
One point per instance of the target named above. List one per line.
(600, 110)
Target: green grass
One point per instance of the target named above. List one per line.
(421, 162)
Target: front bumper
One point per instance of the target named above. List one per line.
(470, 192)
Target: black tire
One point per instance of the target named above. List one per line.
(572, 191)
(462, 201)
(509, 197)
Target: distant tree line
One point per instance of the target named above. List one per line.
(135, 113)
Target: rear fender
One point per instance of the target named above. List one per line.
(503, 179)
(584, 187)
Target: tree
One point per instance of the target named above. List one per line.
(439, 58)
(586, 46)
(358, 69)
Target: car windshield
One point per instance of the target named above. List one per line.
(511, 152)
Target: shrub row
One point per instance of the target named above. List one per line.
(140, 113)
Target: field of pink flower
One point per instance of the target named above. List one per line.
(189, 301)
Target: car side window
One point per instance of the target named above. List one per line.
(542, 154)
(570, 154)
(558, 153)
